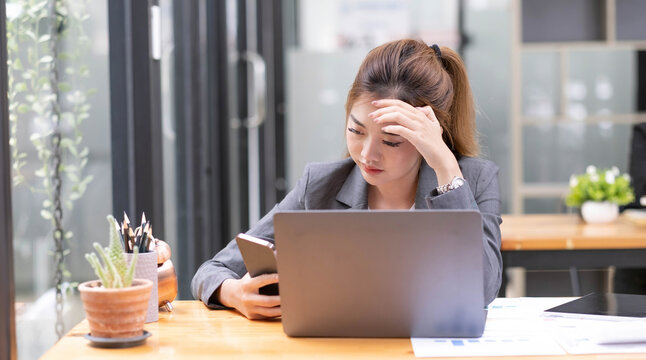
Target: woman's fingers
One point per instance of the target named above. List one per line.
(397, 118)
(262, 280)
(428, 111)
(390, 109)
(268, 312)
(251, 299)
(402, 131)
(266, 300)
(393, 102)
(393, 110)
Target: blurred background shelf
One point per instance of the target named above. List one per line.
(578, 79)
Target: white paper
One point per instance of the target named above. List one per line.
(486, 346)
(517, 327)
(513, 328)
(586, 336)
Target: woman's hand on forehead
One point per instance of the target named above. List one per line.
(419, 126)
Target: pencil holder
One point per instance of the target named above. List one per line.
(146, 268)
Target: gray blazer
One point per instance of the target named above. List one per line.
(340, 185)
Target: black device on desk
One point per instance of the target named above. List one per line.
(259, 258)
(637, 166)
(600, 306)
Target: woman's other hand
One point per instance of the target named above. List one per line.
(421, 128)
(242, 294)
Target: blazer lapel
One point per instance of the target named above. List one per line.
(426, 183)
(354, 192)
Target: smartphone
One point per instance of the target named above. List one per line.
(260, 258)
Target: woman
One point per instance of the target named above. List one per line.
(411, 139)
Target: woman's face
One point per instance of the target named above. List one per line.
(383, 158)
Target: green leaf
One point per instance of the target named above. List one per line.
(46, 214)
(130, 273)
(66, 143)
(38, 6)
(72, 176)
(30, 34)
(64, 55)
(72, 150)
(69, 235)
(40, 172)
(46, 59)
(87, 179)
(23, 108)
(99, 270)
(64, 87)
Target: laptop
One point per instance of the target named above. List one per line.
(349, 273)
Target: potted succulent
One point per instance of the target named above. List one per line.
(599, 193)
(115, 305)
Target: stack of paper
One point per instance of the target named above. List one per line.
(516, 327)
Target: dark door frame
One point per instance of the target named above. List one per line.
(203, 60)
(135, 104)
(201, 130)
(7, 295)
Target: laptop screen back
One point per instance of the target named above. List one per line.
(381, 273)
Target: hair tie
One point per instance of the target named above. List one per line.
(437, 50)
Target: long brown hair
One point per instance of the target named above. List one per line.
(413, 72)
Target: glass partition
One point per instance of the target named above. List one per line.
(329, 39)
(59, 106)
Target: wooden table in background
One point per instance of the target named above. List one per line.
(564, 241)
(568, 232)
(192, 331)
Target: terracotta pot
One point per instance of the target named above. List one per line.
(167, 283)
(116, 313)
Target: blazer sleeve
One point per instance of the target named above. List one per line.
(228, 263)
(486, 199)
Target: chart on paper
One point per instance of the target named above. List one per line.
(486, 346)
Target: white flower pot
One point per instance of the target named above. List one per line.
(595, 212)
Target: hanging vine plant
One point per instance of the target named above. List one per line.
(47, 95)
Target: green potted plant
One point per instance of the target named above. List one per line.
(115, 305)
(599, 193)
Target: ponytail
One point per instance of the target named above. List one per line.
(421, 75)
(462, 124)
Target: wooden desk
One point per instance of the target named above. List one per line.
(568, 232)
(192, 331)
(564, 241)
